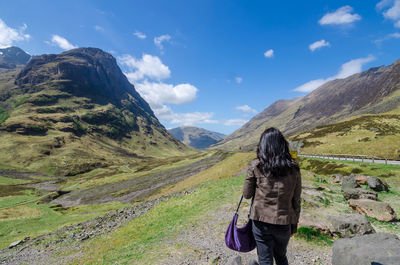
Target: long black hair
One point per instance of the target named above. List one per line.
(273, 153)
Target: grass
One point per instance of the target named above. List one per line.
(346, 167)
(369, 134)
(13, 181)
(3, 115)
(34, 219)
(139, 241)
(313, 236)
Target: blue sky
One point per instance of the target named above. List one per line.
(214, 64)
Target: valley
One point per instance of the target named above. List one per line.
(89, 175)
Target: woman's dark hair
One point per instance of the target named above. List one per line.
(273, 153)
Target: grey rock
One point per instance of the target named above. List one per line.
(376, 184)
(379, 248)
(350, 225)
(382, 211)
(236, 260)
(359, 193)
(336, 178)
(14, 244)
(349, 182)
(319, 224)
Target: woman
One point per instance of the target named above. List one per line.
(273, 181)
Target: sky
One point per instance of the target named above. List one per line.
(214, 64)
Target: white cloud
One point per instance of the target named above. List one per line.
(148, 66)
(319, 44)
(392, 10)
(353, 67)
(98, 28)
(395, 35)
(311, 85)
(246, 108)
(347, 69)
(269, 53)
(156, 93)
(233, 122)
(62, 42)
(140, 35)
(190, 118)
(158, 41)
(341, 16)
(8, 36)
(238, 79)
(384, 3)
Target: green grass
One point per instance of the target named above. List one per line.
(3, 115)
(13, 181)
(346, 167)
(140, 241)
(313, 236)
(34, 219)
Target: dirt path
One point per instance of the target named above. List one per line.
(204, 244)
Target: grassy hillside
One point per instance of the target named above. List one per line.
(70, 113)
(368, 134)
(370, 92)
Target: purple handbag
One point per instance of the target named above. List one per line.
(240, 238)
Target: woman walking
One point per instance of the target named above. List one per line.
(273, 181)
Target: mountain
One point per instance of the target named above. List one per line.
(12, 57)
(196, 137)
(72, 112)
(370, 92)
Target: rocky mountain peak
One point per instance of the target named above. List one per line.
(11, 57)
(88, 72)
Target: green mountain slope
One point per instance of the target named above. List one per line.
(196, 137)
(370, 92)
(76, 111)
(368, 134)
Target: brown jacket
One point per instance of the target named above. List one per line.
(276, 200)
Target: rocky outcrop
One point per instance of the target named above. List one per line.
(377, 184)
(359, 193)
(382, 211)
(379, 248)
(319, 224)
(361, 179)
(349, 182)
(336, 178)
(350, 225)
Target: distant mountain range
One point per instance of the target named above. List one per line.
(196, 137)
(12, 57)
(370, 92)
(72, 112)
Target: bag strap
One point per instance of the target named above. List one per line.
(240, 202)
(237, 209)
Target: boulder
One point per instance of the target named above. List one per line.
(361, 179)
(14, 244)
(349, 182)
(350, 225)
(336, 178)
(377, 184)
(379, 248)
(379, 210)
(359, 193)
(318, 224)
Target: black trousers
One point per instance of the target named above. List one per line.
(272, 241)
